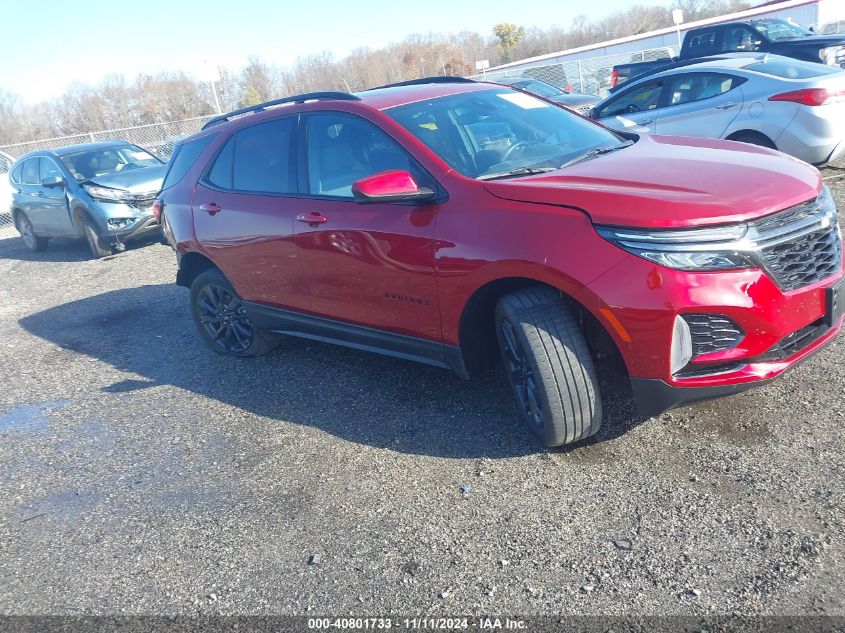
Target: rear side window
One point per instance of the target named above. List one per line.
(262, 158)
(700, 86)
(702, 41)
(16, 173)
(220, 174)
(183, 158)
(792, 68)
(29, 175)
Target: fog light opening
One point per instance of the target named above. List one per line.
(120, 223)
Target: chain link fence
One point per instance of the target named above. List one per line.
(588, 76)
(157, 138)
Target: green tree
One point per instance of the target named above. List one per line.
(509, 35)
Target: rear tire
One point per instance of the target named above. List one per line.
(221, 318)
(549, 366)
(95, 244)
(33, 242)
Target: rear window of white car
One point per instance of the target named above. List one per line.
(792, 68)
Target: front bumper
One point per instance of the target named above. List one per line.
(140, 228)
(653, 396)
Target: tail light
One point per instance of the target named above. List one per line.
(811, 96)
(614, 77)
(157, 206)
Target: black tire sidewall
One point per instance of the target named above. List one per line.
(93, 240)
(543, 432)
(261, 342)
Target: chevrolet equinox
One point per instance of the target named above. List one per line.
(454, 223)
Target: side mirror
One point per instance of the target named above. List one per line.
(393, 185)
(53, 182)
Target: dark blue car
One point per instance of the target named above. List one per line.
(103, 192)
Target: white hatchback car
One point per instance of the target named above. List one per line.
(794, 106)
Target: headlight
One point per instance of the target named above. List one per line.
(720, 248)
(828, 55)
(108, 194)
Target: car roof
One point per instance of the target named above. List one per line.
(724, 61)
(393, 96)
(72, 149)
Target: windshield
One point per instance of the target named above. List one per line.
(781, 29)
(538, 88)
(91, 163)
(501, 132)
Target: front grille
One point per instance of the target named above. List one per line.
(712, 332)
(799, 246)
(142, 201)
(698, 371)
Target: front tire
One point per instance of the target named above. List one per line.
(33, 242)
(95, 244)
(549, 366)
(221, 318)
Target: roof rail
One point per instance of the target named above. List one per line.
(428, 80)
(260, 107)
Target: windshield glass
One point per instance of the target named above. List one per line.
(781, 29)
(538, 88)
(108, 160)
(492, 133)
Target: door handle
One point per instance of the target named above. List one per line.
(211, 208)
(726, 106)
(315, 217)
(37, 194)
(646, 122)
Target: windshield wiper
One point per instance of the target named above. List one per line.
(596, 152)
(519, 171)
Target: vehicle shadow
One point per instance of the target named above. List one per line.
(360, 397)
(59, 249)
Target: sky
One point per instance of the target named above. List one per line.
(47, 45)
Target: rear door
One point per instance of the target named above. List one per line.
(244, 208)
(699, 104)
(634, 109)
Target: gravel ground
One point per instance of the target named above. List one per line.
(140, 473)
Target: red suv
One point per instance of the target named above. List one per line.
(453, 223)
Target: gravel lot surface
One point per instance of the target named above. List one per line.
(141, 473)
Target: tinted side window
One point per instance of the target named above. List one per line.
(639, 99)
(699, 86)
(16, 173)
(263, 158)
(48, 170)
(220, 174)
(343, 149)
(183, 158)
(29, 175)
(702, 41)
(740, 38)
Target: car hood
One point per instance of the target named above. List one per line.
(141, 180)
(672, 182)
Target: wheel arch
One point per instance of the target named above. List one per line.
(737, 134)
(478, 345)
(191, 266)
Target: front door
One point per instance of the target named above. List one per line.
(53, 209)
(364, 264)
